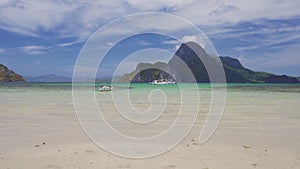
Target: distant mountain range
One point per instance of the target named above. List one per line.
(51, 78)
(235, 72)
(48, 78)
(7, 75)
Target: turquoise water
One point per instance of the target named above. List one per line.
(59, 95)
(145, 85)
(37, 96)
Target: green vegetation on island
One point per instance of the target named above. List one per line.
(147, 72)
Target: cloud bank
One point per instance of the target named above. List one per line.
(78, 18)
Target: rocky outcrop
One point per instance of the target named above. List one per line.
(187, 60)
(7, 75)
(190, 58)
(147, 72)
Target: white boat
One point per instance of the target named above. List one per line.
(105, 88)
(162, 82)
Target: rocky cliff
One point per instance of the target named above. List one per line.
(187, 60)
(7, 75)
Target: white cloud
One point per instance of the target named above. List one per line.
(285, 57)
(34, 50)
(267, 29)
(170, 42)
(143, 42)
(33, 15)
(80, 18)
(4, 2)
(223, 9)
(185, 39)
(147, 5)
(272, 38)
(68, 43)
(63, 18)
(205, 12)
(240, 49)
(192, 38)
(1, 50)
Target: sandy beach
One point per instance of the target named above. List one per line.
(260, 129)
(149, 84)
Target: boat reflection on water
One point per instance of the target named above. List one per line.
(108, 88)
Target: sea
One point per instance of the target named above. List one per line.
(274, 100)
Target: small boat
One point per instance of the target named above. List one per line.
(105, 88)
(163, 82)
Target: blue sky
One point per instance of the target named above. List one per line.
(44, 37)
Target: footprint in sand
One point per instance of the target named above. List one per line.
(169, 166)
(126, 166)
(53, 166)
(254, 164)
(89, 151)
(246, 147)
(193, 142)
(37, 145)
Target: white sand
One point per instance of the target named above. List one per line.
(256, 132)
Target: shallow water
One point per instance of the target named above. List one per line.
(34, 106)
(56, 98)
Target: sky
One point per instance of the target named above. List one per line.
(46, 37)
